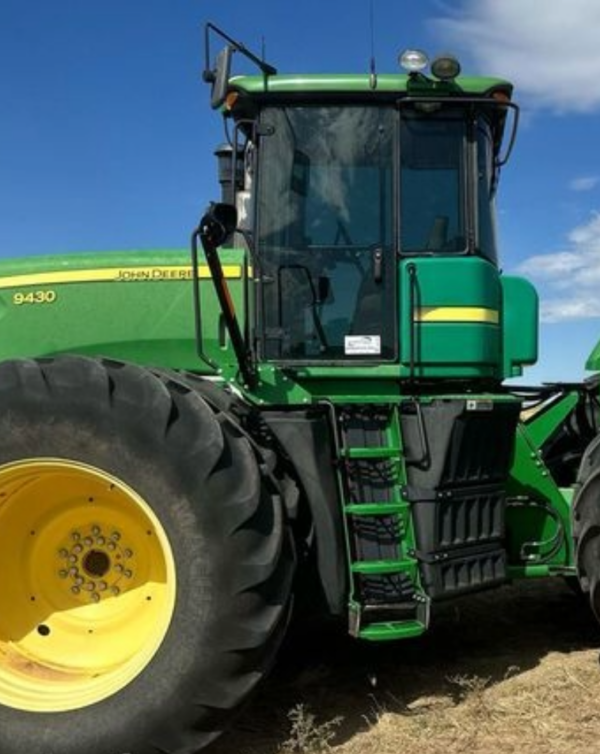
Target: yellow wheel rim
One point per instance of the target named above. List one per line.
(87, 585)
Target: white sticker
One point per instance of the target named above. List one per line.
(362, 345)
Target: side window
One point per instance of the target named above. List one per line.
(432, 194)
(486, 210)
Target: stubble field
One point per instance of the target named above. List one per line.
(513, 670)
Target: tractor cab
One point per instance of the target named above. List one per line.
(366, 204)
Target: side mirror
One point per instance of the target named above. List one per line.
(218, 223)
(221, 77)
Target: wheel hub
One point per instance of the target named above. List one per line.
(96, 563)
(89, 587)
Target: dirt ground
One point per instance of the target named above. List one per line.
(513, 670)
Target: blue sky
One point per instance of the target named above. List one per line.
(107, 137)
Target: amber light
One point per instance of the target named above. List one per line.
(230, 100)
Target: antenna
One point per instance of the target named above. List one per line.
(372, 67)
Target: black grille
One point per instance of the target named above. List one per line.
(456, 485)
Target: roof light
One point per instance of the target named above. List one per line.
(413, 60)
(445, 67)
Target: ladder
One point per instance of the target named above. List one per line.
(386, 599)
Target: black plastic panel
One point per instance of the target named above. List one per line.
(469, 517)
(461, 452)
(467, 573)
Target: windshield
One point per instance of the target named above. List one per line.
(325, 216)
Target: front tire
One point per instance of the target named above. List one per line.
(145, 561)
(586, 524)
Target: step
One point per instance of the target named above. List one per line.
(392, 630)
(365, 623)
(375, 509)
(372, 453)
(371, 567)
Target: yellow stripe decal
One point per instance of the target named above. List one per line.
(475, 314)
(156, 273)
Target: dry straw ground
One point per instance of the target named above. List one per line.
(512, 671)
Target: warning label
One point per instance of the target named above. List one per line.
(362, 345)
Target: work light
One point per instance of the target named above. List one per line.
(445, 67)
(413, 60)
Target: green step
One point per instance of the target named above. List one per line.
(393, 630)
(369, 567)
(375, 509)
(371, 453)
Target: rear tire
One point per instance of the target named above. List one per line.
(149, 567)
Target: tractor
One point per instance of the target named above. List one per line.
(313, 411)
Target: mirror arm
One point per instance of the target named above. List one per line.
(216, 225)
(209, 74)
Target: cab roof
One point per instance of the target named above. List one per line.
(382, 85)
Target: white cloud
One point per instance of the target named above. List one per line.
(562, 309)
(584, 183)
(552, 266)
(575, 273)
(587, 236)
(548, 49)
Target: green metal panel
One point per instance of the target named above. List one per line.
(519, 325)
(451, 317)
(542, 424)
(593, 361)
(456, 350)
(131, 305)
(540, 541)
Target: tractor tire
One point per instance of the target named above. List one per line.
(586, 524)
(146, 564)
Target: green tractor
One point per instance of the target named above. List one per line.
(316, 406)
